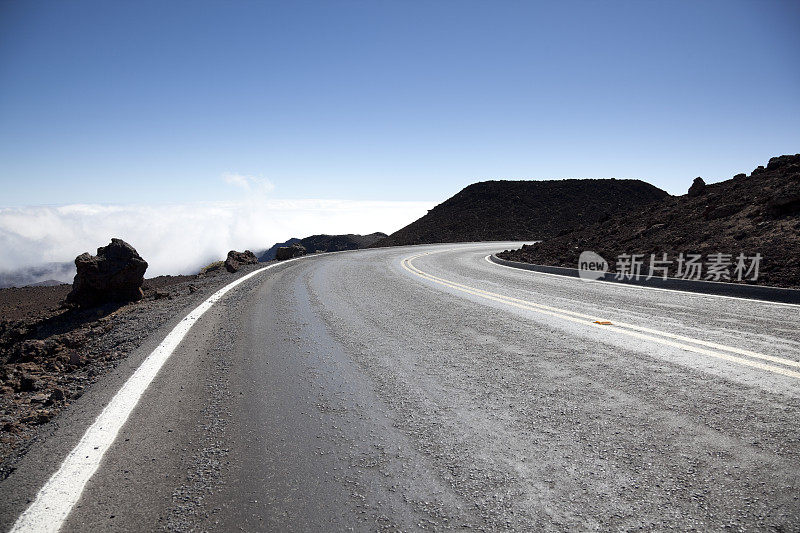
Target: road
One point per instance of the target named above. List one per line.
(426, 388)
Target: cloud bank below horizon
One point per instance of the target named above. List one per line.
(181, 238)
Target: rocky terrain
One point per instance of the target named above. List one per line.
(51, 351)
(522, 210)
(326, 243)
(759, 213)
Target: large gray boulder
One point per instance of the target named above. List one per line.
(115, 274)
(290, 252)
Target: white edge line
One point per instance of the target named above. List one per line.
(61, 492)
(636, 287)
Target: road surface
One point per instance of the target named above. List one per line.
(426, 388)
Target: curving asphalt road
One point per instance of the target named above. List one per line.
(426, 388)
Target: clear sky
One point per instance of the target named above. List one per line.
(148, 102)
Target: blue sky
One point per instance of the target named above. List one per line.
(153, 102)
(192, 128)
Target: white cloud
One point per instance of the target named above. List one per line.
(248, 183)
(181, 238)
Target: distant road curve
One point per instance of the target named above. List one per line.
(732, 290)
(425, 387)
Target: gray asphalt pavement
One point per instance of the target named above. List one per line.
(358, 390)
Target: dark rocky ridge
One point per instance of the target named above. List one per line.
(289, 252)
(752, 214)
(326, 243)
(269, 255)
(524, 210)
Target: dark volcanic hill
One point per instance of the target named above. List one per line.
(523, 210)
(327, 243)
(752, 214)
(335, 243)
(269, 255)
